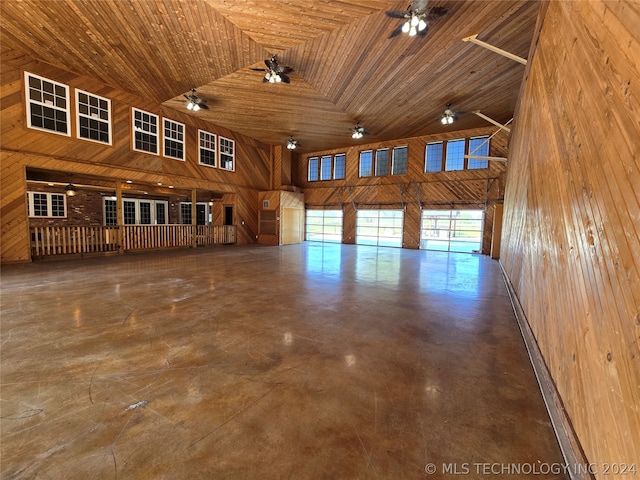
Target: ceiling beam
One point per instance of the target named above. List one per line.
(488, 46)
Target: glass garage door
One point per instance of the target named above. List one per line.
(379, 227)
(452, 230)
(324, 226)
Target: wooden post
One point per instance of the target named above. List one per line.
(194, 219)
(119, 216)
(496, 235)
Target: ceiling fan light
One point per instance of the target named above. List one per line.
(196, 107)
(444, 120)
(412, 31)
(190, 105)
(414, 21)
(405, 27)
(449, 120)
(278, 79)
(422, 25)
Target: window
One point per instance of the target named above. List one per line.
(433, 157)
(204, 213)
(136, 211)
(227, 154)
(44, 204)
(478, 146)
(452, 230)
(173, 139)
(399, 161)
(379, 227)
(382, 162)
(94, 117)
(455, 155)
(47, 104)
(339, 167)
(324, 226)
(145, 131)
(313, 169)
(325, 168)
(366, 165)
(207, 148)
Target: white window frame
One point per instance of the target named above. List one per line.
(30, 102)
(165, 138)
(93, 115)
(133, 131)
(224, 150)
(137, 202)
(212, 139)
(335, 164)
(49, 195)
(393, 160)
(317, 172)
(360, 164)
(426, 156)
(194, 212)
(324, 160)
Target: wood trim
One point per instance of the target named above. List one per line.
(574, 457)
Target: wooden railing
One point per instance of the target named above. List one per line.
(64, 240)
(61, 240)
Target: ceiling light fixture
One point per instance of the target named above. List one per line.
(415, 23)
(448, 117)
(194, 103)
(358, 131)
(274, 73)
(292, 144)
(70, 190)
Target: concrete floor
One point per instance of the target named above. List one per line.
(299, 362)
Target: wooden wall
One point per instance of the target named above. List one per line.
(571, 240)
(23, 148)
(479, 189)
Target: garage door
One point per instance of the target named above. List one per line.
(379, 227)
(452, 230)
(324, 226)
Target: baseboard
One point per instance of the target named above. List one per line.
(574, 457)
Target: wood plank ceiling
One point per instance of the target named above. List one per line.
(346, 69)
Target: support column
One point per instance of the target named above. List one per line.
(194, 219)
(119, 216)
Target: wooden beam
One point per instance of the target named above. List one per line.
(481, 157)
(119, 216)
(491, 120)
(504, 53)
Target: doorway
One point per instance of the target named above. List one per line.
(228, 215)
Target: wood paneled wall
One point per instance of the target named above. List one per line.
(478, 189)
(23, 148)
(571, 239)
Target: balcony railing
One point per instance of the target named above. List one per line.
(64, 240)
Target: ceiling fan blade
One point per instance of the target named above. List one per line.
(203, 106)
(187, 97)
(396, 32)
(436, 12)
(271, 65)
(259, 69)
(393, 14)
(284, 78)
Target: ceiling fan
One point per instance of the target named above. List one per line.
(449, 116)
(275, 73)
(358, 131)
(417, 18)
(194, 102)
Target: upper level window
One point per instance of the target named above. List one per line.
(382, 162)
(433, 157)
(207, 148)
(47, 104)
(339, 166)
(478, 146)
(227, 154)
(313, 169)
(455, 155)
(399, 161)
(366, 163)
(325, 167)
(173, 139)
(45, 204)
(145, 131)
(93, 117)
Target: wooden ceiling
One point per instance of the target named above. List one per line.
(346, 69)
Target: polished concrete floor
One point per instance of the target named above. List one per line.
(299, 362)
